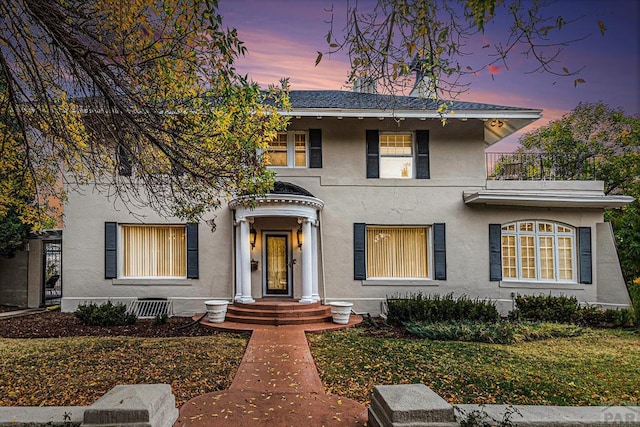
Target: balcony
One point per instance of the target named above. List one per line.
(540, 166)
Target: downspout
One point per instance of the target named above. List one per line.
(324, 287)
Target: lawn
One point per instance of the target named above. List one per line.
(600, 367)
(77, 371)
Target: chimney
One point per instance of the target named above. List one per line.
(365, 85)
(424, 86)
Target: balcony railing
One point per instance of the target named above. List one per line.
(540, 166)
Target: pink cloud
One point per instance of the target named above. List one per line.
(272, 56)
(494, 69)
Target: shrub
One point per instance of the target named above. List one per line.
(106, 314)
(160, 319)
(480, 418)
(546, 308)
(436, 308)
(634, 292)
(495, 333)
(598, 318)
(562, 309)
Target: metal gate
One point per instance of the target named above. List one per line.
(52, 271)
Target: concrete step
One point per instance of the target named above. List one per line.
(277, 304)
(261, 320)
(283, 312)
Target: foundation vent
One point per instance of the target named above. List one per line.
(152, 307)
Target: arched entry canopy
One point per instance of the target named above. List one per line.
(287, 208)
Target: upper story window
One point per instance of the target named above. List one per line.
(277, 151)
(153, 251)
(538, 251)
(396, 155)
(401, 155)
(288, 149)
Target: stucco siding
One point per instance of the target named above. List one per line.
(611, 289)
(14, 278)
(466, 241)
(83, 252)
(457, 165)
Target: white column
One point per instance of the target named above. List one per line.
(307, 263)
(238, 267)
(315, 295)
(245, 262)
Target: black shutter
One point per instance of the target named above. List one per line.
(315, 148)
(439, 252)
(422, 154)
(495, 252)
(584, 251)
(124, 161)
(359, 259)
(110, 250)
(192, 251)
(373, 152)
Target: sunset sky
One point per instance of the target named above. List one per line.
(283, 37)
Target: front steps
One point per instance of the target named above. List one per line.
(279, 311)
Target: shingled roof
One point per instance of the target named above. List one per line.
(360, 105)
(336, 99)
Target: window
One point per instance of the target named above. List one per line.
(397, 252)
(396, 155)
(153, 251)
(538, 251)
(277, 151)
(288, 149)
(300, 147)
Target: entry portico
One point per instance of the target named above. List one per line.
(275, 217)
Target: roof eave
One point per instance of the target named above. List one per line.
(559, 200)
(417, 114)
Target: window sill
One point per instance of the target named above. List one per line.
(399, 282)
(152, 282)
(542, 285)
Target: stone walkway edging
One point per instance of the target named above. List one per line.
(150, 405)
(417, 405)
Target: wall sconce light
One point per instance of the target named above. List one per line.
(253, 234)
(497, 123)
(299, 236)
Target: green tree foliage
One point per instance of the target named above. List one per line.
(12, 234)
(92, 88)
(395, 39)
(612, 138)
(626, 224)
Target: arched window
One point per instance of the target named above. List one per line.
(540, 251)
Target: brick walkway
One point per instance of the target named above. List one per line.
(277, 384)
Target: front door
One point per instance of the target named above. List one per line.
(277, 277)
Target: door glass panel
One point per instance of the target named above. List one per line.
(277, 265)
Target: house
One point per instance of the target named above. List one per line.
(374, 198)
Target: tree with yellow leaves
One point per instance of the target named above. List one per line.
(140, 99)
